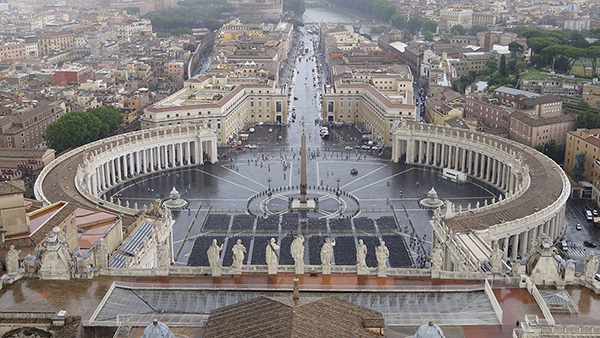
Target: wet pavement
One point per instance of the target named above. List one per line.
(275, 162)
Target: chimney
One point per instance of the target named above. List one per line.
(296, 295)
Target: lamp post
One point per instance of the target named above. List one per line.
(269, 179)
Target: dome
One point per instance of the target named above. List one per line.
(572, 8)
(157, 330)
(430, 330)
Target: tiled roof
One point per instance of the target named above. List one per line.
(546, 186)
(266, 317)
(12, 187)
(538, 122)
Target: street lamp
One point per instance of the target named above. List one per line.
(269, 179)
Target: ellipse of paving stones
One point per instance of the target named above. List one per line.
(314, 247)
(363, 223)
(317, 224)
(340, 225)
(198, 255)
(217, 222)
(285, 256)
(385, 223)
(344, 251)
(258, 252)
(289, 222)
(399, 255)
(269, 224)
(242, 222)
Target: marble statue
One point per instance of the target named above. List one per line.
(238, 254)
(155, 208)
(214, 255)
(271, 256)
(12, 261)
(590, 267)
(496, 259)
(361, 254)
(163, 255)
(297, 249)
(382, 253)
(101, 254)
(436, 258)
(327, 252)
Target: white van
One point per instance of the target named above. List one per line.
(588, 215)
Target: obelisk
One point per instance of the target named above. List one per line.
(303, 200)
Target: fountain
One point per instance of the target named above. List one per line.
(431, 201)
(175, 202)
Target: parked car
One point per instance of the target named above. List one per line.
(349, 148)
(578, 226)
(589, 244)
(595, 212)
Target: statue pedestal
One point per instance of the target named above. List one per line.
(361, 270)
(299, 269)
(215, 271)
(381, 272)
(326, 269)
(272, 269)
(236, 270)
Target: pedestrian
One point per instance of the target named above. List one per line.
(518, 323)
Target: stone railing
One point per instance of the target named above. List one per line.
(533, 290)
(494, 301)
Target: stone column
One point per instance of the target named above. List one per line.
(111, 172)
(456, 157)
(151, 159)
(172, 154)
(505, 243)
(436, 149)
(469, 161)
(410, 151)
(523, 243)
(515, 248)
(442, 155)
(428, 155)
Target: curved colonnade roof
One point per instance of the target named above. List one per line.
(545, 188)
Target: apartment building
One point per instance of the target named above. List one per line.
(24, 128)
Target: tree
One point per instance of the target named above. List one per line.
(515, 48)
(459, 29)
(578, 40)
(519, 29)
(366, 35)
(579, 168)
(430, 25)
(296, 22)
(132, 10)
(398, 21)
(592, 54)
(476, 29)
(537, 61)
(77, 128)
(502, 68)
(583, 104)
(191, 47)
(428, 35)
(297, 6)
(414, 24)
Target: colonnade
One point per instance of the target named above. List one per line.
(518, 245)
(460, 157)
(146, 159)
(499, 162)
